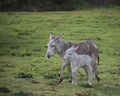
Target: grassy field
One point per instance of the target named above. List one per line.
(24, 70)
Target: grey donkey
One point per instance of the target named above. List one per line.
(59, 46)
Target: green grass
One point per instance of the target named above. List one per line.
(24, 70)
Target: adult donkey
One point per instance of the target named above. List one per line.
(59, 46)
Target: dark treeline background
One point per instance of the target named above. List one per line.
(52, 5)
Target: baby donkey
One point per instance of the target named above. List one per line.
(78, 61)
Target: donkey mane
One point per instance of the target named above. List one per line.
(64, 45)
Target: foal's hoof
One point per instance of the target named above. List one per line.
(89, 83)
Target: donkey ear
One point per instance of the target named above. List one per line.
(57, 38)
(52, 36)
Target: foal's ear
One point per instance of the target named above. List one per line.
(52, 36)
(76, 48)
(72, 47)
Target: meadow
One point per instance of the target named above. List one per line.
(24, 69)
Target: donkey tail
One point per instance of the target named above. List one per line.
(98, 60)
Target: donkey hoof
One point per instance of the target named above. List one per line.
(86, 79)
(98, 79)
(70, 81)
(61, 79)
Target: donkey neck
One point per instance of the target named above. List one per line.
(63, 46)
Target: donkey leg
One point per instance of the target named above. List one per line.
(86, 73)
(62, 72)
(94, 67)
(96, 73)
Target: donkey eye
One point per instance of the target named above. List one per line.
(53, 45)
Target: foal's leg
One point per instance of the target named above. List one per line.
(70, 72)
(62, 72)
(75, 75)
(89, 68)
